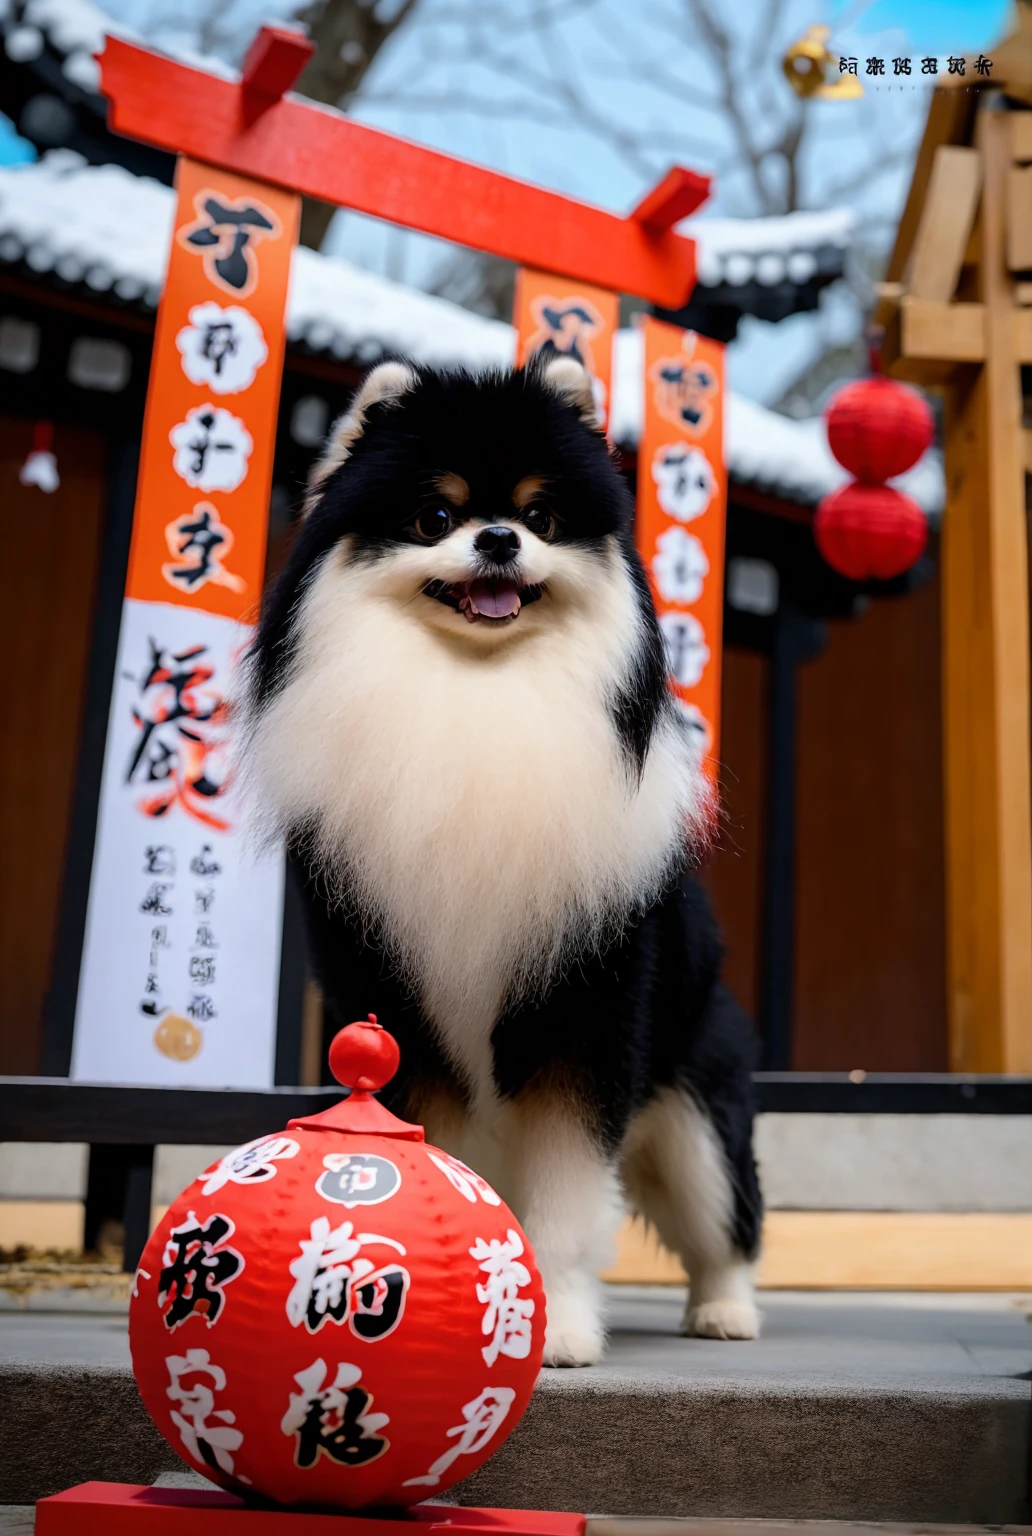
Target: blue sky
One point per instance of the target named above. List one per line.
(623, 59)
(939, 26)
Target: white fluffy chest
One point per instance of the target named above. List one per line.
(479, 809)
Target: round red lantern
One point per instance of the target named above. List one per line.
(338, 1315)
(870, 532)
(878, 429)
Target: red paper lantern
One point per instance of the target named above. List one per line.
(338, 1315)
(870, 532)
(878, 429)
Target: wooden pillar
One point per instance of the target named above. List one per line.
(986, 674)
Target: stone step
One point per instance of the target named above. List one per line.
(850, 1408)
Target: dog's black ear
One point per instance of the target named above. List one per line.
(569, 379)
(385, 385)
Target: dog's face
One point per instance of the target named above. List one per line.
(478, 522)
(481, 552)
(480, 507)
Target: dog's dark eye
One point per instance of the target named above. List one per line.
(539, 520)
(431, 524)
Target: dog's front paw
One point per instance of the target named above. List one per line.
(722, 1320)
(574, 1333)
(572, 1347)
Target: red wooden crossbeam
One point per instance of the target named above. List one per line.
(274, 61)
(673, 199)
(323, 154)
(127, 1509)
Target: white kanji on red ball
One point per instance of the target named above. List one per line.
(508, 1314)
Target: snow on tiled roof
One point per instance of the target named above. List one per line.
(792, 248)
(109, 230)
(339, 308)
(97, 225)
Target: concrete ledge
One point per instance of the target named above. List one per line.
(66, 1424)
(608, 1442)
(853, 1408)
(764, 1448)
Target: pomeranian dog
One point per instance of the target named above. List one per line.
(460, 725)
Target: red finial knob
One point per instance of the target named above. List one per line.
(364, 1055)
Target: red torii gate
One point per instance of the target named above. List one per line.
(253, 128)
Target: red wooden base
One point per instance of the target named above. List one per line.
(127, 1509)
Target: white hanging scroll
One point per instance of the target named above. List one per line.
(180, 969)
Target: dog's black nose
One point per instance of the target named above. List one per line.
(499, 544)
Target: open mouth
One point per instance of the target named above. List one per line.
(487, 599)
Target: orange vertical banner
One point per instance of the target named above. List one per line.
(681, 512)
(179, 980)
(202, 499)
(560, 318)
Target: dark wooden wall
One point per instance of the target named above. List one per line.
(734, 872)
(48, 580)
(870, 919)
(871, 928)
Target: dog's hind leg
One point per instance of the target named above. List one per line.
(678, 1176)
(566, 1192)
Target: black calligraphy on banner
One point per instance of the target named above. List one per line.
(684, 391)
(198, 543)
(178, 718)
(565, 330)
(225, 233)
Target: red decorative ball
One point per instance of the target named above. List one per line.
(870, 532)
(364, 1055)
(878, 428)
(338, 1315)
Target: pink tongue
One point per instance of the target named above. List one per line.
(495, 599)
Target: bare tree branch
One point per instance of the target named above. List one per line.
(718, 42)
(502, 19)
(527, 109)
(549, 87)
(347, 35)
(765, 32)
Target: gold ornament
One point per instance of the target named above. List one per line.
(178, 1038)
(805, 64)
